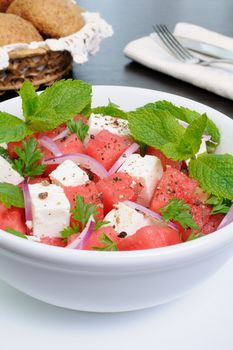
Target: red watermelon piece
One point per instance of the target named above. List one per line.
(212, 224)
(107, 147)
(13, 218)
(149, 237)
(174, 183)
(118, 188)
(164, 160)
(55, 241)
(90, 193)
(94, 240)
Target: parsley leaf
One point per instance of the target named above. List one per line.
(11, 195)
(81, 214)
(70, 230)
(220, 205)
(214, 172)
(194, 235)
(60, 102)
(15, 233)
(79, 128)
(111, 110)
(178, 210)
(29, 99)
(12, 128)
(5, 154)
(27, 162)
(109, 245)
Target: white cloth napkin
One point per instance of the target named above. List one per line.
(152, 53)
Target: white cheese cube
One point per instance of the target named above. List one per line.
(126, 219)
(148, 170)
(8, 174)
(3, 145)
(69, 174)
(50, 209)
(98, 122)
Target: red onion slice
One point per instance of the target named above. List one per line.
(79, 241)
(228, 218)
(50, 145)
(28, 206)
(149, 212)
(132, 148)
(82, 159)
(62, 134)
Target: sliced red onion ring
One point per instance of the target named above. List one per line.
(149, 212)
(82, 159)
(79, 242)
(132, 148)
(50, 145)
(228, 218)
(62, 134)
(28, 206)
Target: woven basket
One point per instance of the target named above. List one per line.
(40, 66)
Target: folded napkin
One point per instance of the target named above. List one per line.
(151, 52)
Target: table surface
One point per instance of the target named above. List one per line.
(201, 320)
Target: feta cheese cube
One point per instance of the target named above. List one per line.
(148, 170)
(98, 122)
(126, 219)
(69, 174)
(50, 209)
(8, 174)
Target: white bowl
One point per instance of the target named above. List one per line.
(116, 281)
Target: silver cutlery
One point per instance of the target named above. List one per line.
(180, 52)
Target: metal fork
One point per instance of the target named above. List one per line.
(179, 51)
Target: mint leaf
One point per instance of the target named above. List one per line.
(12, 128)
(15, 233)
(177, 210)
(11, 195)
(220, 205)
(189, 143)
(79, 128)
(59, 103)
(27, 164)
(214, 172)
(154, 128)
(29, 99)
(109, 245)
(5, 154)
(187, 116)
(111, 110)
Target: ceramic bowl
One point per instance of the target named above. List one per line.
(117, 281)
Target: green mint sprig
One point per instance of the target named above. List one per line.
(54, 106)
(112, 110)
(28, 157)
(214, 172)
(11, 195)
(109, 245)
(177, 210)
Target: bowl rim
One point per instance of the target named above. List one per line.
(165, 256)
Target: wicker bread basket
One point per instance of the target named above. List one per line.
(39, 66)
(44, 62)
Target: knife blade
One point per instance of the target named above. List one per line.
(205, 48)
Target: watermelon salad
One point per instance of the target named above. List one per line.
(105, 179)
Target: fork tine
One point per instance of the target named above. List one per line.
(176, 42)
(172, 43)
(168, 44)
